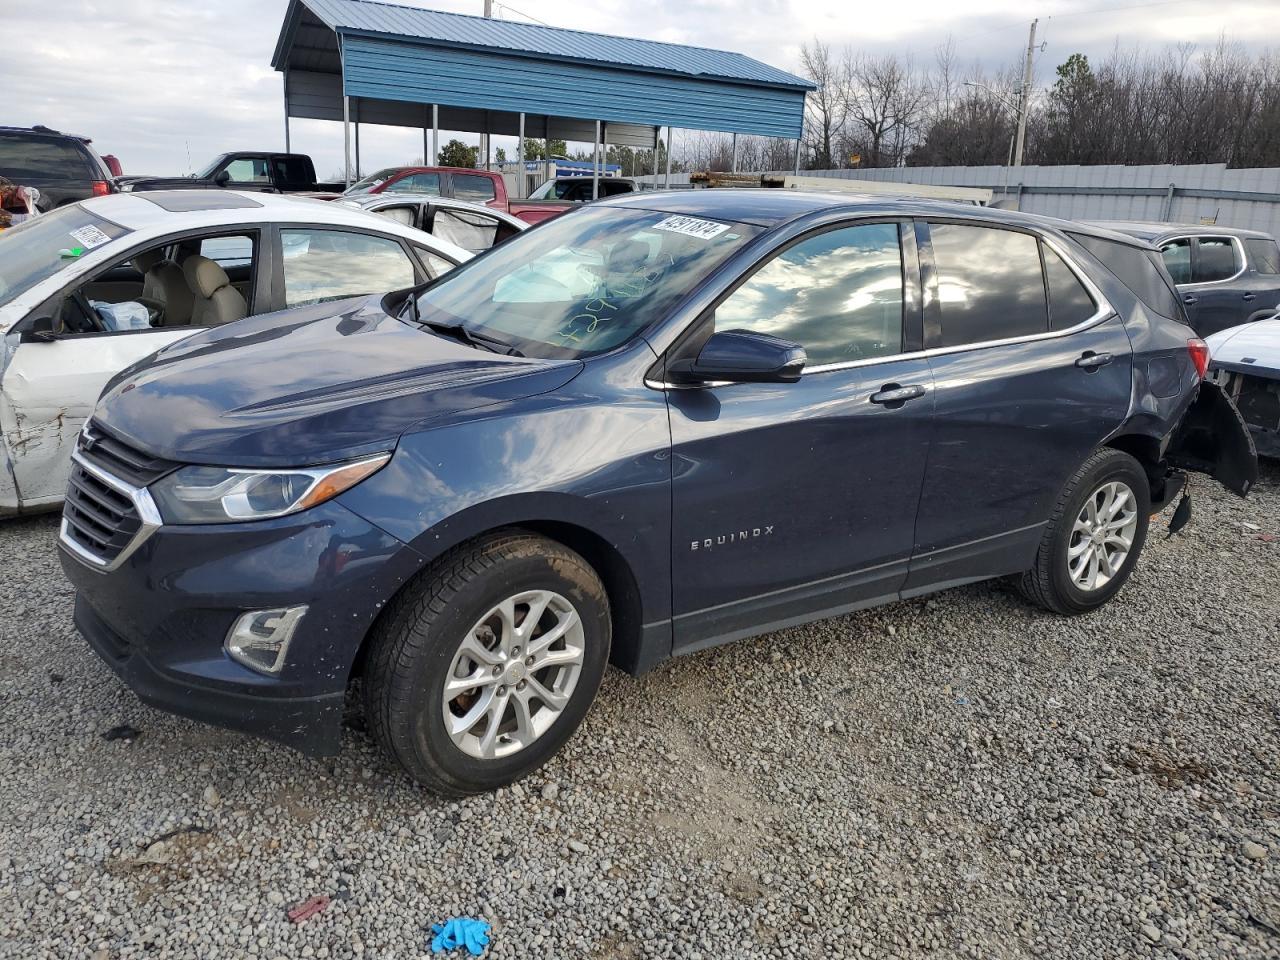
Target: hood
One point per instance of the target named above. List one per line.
(1259, 340)
(310, 385)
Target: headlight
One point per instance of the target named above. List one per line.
(224, 495)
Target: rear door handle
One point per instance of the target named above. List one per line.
(1092, 361)
(1250, 296)
(892, 394)
(1189, 300)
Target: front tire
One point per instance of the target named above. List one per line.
(485, 666)
(1094, 537)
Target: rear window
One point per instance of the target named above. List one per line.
(1216, 259)
(469, 187)
(1264, 254)
(40, 247)
(1142, 271)
(990, 286)
(32, 159)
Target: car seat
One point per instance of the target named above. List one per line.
(217, 302)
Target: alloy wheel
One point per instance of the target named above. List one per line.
(513, 674)
(1102, 536)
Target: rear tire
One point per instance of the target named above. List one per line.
(1094, 537)
(461, 688)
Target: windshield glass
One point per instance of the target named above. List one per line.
(207, 170)
(39, 248)
(584, 282)
(370, 182)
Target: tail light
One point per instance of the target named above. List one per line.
(101, 188)
(1199, 351)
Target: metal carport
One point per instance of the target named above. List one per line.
(358, 61)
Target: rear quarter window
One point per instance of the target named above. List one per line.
(1142, 271)
(33, 159)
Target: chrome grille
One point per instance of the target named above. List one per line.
(99, 517)
(104, 518)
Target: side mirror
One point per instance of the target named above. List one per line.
(40, 330)
(742, 357)
(222, 178)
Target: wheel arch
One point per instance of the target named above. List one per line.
(632, 648)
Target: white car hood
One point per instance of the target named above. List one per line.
(1259, 342)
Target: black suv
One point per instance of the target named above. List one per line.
(63, 167)
(1226, 276)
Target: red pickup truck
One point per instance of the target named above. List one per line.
(460, 183)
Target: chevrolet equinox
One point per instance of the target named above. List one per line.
(655, 424)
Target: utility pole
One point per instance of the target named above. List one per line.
(1026, 95)
(484, 137)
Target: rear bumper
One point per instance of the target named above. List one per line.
(160, 619)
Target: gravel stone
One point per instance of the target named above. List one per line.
(701, 810)
(1253, 851)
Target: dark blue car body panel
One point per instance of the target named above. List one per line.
(712, 513)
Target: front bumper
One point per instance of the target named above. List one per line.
(1255, 390)
(160, 619)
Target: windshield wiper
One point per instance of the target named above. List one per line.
(480, 341)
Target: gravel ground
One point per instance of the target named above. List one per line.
(961, 776)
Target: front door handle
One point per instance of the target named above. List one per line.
(1092, 361)
(1190, 300)
(891, 394)
(1250, 296)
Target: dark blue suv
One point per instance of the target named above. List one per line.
(650, 426)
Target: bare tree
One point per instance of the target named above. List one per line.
(827, 108)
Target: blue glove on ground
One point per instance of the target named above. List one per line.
(460, 932)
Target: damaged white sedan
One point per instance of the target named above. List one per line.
(92, 288)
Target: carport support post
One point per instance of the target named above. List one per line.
(357, 138)
(667, 185)
(799, 140)
(733, 161)
(520, 184)
(595, 166)
(435, 134)
(286, 110)
(346, 137)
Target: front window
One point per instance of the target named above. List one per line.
(249, 170)
(370, 183)
(585, 282)
(39, 248)
(428, 183)
(838, 294)
(1265, 255)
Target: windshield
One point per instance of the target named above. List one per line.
(584, 282)
(370, 182)
(207, 171)
(39, 248)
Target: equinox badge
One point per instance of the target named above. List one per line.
(725, 539)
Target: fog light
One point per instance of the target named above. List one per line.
(260, 638)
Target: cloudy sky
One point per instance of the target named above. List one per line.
(167, 84)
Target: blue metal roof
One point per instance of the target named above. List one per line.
(438, 27)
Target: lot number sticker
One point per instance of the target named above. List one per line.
(692, 227)
(90, 236)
